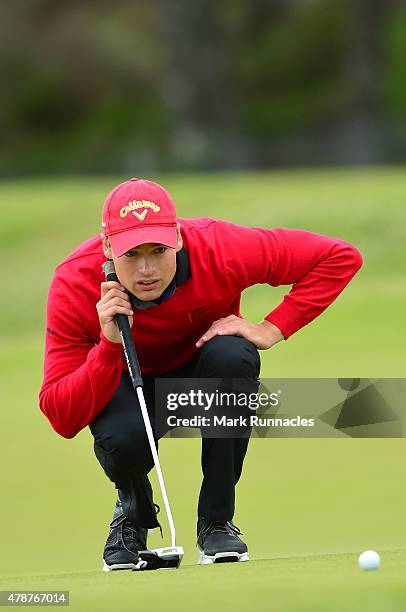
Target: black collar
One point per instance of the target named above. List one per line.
(182, 267)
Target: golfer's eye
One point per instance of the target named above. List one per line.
(130, 253)
(160, 250)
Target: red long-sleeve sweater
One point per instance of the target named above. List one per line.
(82, 368)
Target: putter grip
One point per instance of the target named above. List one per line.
(125, 332)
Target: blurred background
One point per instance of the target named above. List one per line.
(105, 87)
(271, 113)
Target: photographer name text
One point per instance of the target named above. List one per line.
(251, 421)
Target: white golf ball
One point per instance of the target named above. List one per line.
(369, 560)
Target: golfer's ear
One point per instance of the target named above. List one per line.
(106, 246)
(179, 235)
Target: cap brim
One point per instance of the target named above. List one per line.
(125, 241)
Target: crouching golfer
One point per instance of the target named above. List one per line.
(181, 282)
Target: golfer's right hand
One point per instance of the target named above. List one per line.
(114, 300)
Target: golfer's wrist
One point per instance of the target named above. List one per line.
(109, 349)
(272, 333)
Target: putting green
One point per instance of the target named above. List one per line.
(318, 583)
(307, 507)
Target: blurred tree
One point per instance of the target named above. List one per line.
(198, 83)
(102, 87)
(82, 87)
(360, 127)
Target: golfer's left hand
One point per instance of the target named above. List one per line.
(262, 335)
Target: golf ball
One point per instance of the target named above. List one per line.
(369, 560)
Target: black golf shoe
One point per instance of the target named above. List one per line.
(123, 544)
(219, 543)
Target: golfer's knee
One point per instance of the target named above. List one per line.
(231, 356)
(123, 451)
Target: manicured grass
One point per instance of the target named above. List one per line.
(292, 584)
(307, 507)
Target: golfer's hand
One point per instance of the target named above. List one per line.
(262, 335)
(114, 300)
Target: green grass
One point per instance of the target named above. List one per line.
(317, 583)
(307, 507)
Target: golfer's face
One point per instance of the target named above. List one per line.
(146, 270)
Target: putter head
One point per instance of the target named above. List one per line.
(162, 558)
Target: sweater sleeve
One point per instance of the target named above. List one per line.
(317, 266)
(79, 376)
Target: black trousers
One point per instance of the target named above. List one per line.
(121, 444)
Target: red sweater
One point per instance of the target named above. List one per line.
(82, 368)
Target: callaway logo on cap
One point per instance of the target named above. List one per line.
(136, 212)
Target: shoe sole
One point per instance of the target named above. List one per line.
(223, 557)
(140, 565)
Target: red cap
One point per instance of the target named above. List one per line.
(136, 212)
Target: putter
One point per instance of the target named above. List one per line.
(169, 557)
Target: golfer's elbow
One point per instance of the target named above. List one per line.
(64, 431)
(56, 417)
(357, 258)
(348, 257)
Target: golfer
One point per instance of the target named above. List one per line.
(180, 284)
